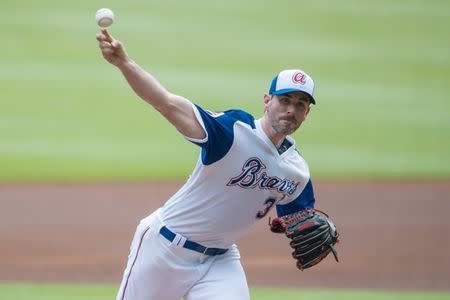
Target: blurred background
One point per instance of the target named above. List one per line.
(76, 144)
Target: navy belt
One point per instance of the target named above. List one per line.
(169, 235)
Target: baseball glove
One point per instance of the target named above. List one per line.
(312, 235)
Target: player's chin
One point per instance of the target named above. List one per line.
(283, 129)
(289, 126)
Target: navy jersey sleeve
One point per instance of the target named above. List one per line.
(304, 200)
(219, 130)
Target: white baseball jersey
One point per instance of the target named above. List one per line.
(239, 177)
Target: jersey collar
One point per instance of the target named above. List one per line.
(260, 132)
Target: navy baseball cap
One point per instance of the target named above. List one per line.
(289, 81)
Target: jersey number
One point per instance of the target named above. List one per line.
(268, 205)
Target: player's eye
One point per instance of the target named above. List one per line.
(284, 100)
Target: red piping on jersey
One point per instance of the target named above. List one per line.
(137, 253)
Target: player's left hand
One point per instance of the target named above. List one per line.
(312, 236)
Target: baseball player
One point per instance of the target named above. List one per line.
(246, 166)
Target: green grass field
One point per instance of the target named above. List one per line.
(103, 292)
(381, 70)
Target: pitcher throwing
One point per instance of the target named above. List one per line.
(246, 167)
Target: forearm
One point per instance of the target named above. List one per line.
(144, 84)
(176, 109)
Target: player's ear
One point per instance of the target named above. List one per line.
(267, 99)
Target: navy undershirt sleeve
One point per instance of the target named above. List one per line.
(304, 200)
(219, 127)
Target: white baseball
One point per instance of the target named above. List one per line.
(104, 17)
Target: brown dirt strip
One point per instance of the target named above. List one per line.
(394, 235)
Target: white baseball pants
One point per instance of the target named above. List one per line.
(164, 270)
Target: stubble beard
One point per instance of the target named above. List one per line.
(284, 130)
(280, 128)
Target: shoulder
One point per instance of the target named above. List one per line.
(220, 131)
(241, 115)
(228, 117)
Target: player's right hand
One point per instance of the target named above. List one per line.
(112, 49)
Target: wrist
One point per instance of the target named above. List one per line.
(125, 64)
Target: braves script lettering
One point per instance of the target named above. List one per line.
(253, 175)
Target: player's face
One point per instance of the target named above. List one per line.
(286, 112)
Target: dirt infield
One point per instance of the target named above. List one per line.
(82, 232)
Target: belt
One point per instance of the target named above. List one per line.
(169, 235)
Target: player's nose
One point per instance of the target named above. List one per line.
(290, 109)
